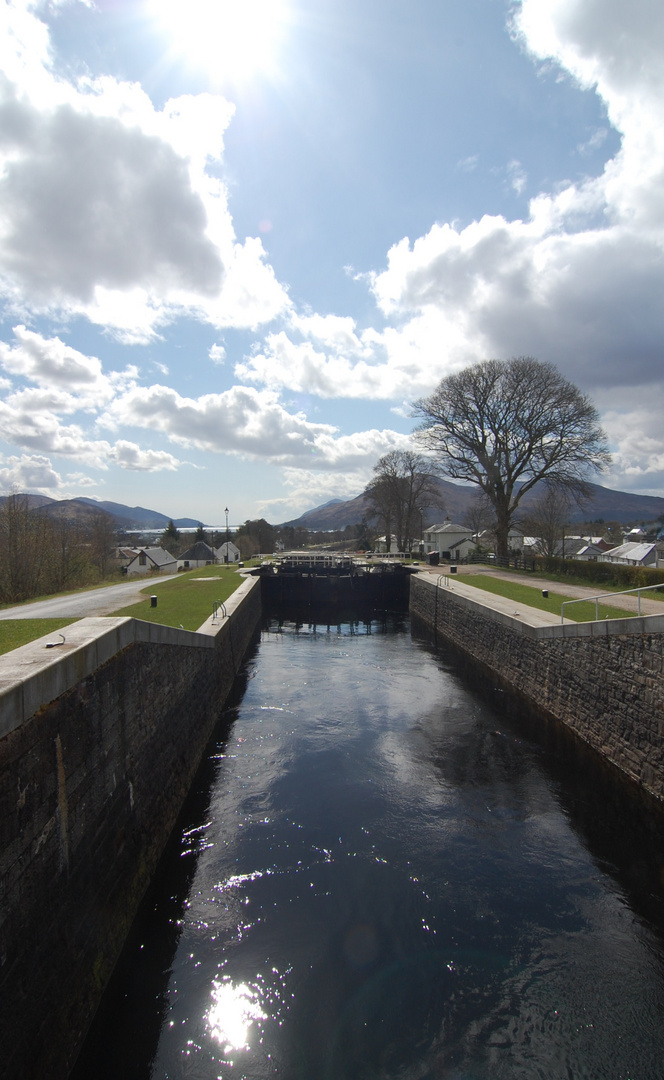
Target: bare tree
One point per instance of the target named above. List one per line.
(102, 534)
(23, 536)
(505, 426)
(547, 519)
(479, 517)
(402, 488)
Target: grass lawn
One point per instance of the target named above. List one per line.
(532, 597)
(17, 632)
(185, 600)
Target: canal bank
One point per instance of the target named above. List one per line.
(387, 876)
(604, 681)
(100, 736)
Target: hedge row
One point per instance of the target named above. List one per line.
(601, 573)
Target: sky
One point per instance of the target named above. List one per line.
(239, 238)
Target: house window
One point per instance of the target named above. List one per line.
(186, 564)
(142, 560)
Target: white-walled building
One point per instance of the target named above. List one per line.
(199, 554)
(450, 541)
(635, 554)
(227, 553)
(380, 545)
(152, 560)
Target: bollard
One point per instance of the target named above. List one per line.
(545, 594)
(153, 601)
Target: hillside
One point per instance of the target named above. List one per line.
(84, 510)
(456, 501)
(137, 517)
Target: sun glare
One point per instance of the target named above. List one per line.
(231, 40)
(232, 1013)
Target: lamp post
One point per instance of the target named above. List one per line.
(421, 530)
(226, 555)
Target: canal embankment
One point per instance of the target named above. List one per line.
(100, 736)
(603, 680)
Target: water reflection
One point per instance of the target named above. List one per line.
(232, 1013)
(393, 878)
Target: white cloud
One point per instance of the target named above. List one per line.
(579, 282)
(53, 364)
(29, 420)
(596, 140)
(395, 363)
(249, 423)
(217, 354)
(29, 473)
(131, 456)
(635, 430)
(306, 488)
(107, 207)
(518, 178)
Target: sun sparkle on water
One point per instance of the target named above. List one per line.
(234, 1009)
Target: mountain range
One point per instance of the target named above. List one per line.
(455, 502)
(82, 510)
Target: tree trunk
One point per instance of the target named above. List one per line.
(502, 531)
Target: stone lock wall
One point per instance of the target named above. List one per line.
(100, 740)
(604, 681)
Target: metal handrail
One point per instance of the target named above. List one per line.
(601, 596)
(215, 609)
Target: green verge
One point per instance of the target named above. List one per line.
(17, 632)
(584, 611)
(186, 600)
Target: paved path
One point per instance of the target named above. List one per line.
(574, 592)
(77, 605)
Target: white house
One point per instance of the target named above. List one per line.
(199, 554)
(380, 545)
(152, 560)
(450, 541)
(634, 554)
(228, 553)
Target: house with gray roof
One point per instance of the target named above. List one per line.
(450, 541)
(635, 554)
(199, 554)
(152, 560)
(227, 553)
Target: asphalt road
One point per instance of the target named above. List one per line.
(92, 602)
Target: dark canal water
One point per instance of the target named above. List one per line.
(383, 873)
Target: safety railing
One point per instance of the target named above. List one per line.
(603, 596)
(216, 608)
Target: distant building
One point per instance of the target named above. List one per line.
(228, 553)
(452, 542)
(380, 545)
(152, 560)
(199, 554)
(635, 554)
